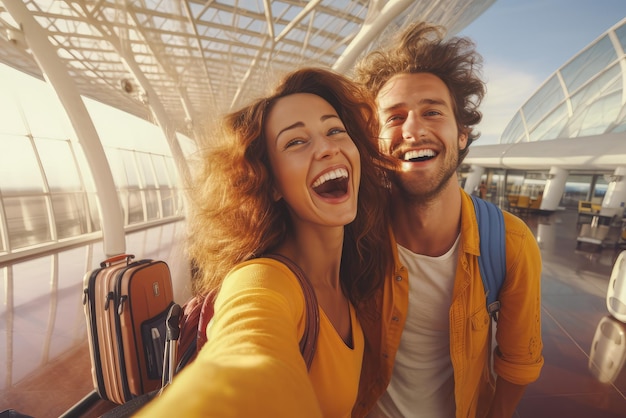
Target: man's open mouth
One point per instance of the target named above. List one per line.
(419, 155)
(332, 184)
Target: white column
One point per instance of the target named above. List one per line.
(555, 187)
(615, 196)
(473, 178)
(57, 76)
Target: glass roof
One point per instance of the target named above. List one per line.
(585, 97)
(198, 58)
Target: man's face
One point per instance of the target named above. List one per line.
(418, 127)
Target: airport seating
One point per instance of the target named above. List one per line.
(592, 234)
(521, 204)
(586, 210)
(535, 203)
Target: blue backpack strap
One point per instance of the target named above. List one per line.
(492, 259)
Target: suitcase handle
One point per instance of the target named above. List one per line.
(117, 258)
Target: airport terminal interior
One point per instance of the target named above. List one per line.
(103, 106)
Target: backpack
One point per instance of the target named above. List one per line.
(492, 259)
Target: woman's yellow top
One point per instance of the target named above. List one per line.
(252, 366)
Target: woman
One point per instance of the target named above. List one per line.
(300, 177)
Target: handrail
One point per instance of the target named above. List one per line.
(48, 248)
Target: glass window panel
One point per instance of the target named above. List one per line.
(69, 324)
(168, 240)
(551, 126)
(542, 102)
(72, 268)
(154, 238)
(11, 119)
(58, 163)
(119, 129)
(153, 204)
(3, 247)
(620, 128)
(137, 241)
(600, 188)
(160, 169)
(577, 188)
(187, 145)
(514, 131)
(146, 169)
(27, 220)
(610, 81)
(621, 35)
(31, 297)
(3, 306)
(171, 169)
(19, 170)
(167, 200)
(600, 114)
(135, 207)
(130, 167)
(70, 214)
(588, 63)
(44, 113)
(180, 203)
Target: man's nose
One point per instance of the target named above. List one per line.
(413, 127)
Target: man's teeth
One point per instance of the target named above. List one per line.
(411, 155)
(331, 175)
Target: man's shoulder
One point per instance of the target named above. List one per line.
(515, 224)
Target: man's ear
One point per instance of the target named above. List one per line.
(463, 135)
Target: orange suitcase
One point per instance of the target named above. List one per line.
(126, 306)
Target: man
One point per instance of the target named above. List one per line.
(430, 347)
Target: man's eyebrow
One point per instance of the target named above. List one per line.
(300, 124)
(427, 100)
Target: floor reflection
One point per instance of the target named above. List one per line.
(608, 350)
(584, 345)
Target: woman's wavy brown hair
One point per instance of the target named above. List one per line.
(233, 216)
(421, 48)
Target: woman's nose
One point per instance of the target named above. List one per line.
(326, 146)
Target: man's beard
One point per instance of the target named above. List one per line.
(413, 187)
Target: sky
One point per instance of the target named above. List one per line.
(523, 42)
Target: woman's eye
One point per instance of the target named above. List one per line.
(293, 142)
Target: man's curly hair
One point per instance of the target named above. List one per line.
(421, 48)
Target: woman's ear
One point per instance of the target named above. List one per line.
(276, 195)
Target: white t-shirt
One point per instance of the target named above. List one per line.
(422, 383)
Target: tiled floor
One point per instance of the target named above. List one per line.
(583, 377)
(584, 347)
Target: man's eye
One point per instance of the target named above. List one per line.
(394, 120)
(432, 113)
(335, 131)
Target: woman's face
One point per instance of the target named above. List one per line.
(316, 164)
